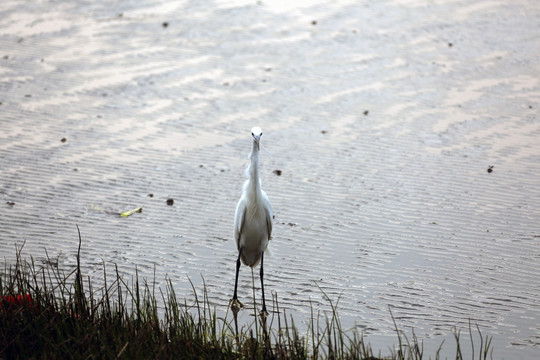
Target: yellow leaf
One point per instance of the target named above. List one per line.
(131, 212)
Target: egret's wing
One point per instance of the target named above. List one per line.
(269, 223)
(239, 217)
(269, 215)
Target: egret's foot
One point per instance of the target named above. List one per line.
(263, 314)
(235, 304)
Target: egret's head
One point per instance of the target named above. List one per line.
(256, 132)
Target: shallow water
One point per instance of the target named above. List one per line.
(382, 116)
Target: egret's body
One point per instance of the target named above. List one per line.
(252, 220)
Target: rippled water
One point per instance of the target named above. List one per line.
(382, 116)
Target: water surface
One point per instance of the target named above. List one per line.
(383, 117)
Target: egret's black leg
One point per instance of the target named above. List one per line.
(262, 284)
(234, 303)
(237, 272)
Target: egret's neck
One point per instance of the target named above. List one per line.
(254, 167)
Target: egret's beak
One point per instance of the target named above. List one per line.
(256, 140)
(256, 132)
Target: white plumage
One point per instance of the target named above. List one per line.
(252, 220)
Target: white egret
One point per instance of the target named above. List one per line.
(252, 221)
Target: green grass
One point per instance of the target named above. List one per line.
(68, 319)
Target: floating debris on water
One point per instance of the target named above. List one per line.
(131, 212)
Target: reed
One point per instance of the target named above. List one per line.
(61, 315)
